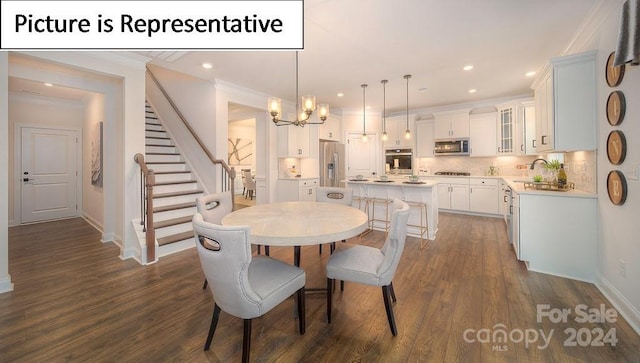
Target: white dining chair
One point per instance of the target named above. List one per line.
(336, 195)
(244, 286)
(213, 208)
(372, 266)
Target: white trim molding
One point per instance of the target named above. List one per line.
(622, 305)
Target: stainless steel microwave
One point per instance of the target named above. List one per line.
(452, 147)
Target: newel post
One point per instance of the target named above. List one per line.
(151, 232)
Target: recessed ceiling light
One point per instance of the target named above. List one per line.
(468, 67)
(473, 90)
(48, 84)
(530, 74)
(207, 65)
(340, 94)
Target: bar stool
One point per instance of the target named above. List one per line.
(386, 222)
(423, 227)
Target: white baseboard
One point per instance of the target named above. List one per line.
(95, 224)
(624, 307)
(6, 285)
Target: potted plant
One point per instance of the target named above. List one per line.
(552, 168)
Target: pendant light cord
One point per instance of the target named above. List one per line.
(364, 112)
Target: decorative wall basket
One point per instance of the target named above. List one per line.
(616, 108)
(614, 74)
(617, 187)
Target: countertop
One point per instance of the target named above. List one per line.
(515, 182)
(396, 182)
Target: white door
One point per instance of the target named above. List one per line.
(49, 174)
(362, 155)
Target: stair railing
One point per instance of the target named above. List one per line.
(228, 174)
(147, 181)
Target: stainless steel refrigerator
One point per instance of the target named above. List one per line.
(332, 164)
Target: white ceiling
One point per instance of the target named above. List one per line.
(348, 43)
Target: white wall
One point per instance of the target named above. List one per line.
(114, 75)
(32, 110)
(618, 228)
(92, 195)
(5, 278)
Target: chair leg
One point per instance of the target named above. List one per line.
(341, 285)
(320, 249)
(266, 250)
(259, 248)
(387, 306)
(246, 341)
(393, 293)
(301, 310)
(212, 328)
(329, 298)
(204, 286)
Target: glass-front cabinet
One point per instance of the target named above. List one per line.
(506, 129)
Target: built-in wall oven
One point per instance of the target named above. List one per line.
(398, 161)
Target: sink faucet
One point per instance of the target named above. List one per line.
(534, 163)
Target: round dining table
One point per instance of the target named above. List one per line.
(299, 223)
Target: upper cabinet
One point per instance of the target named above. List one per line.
(396, 127)
(528, 113)
(482, 134)
(565, 104)
(293, 142)
(424, 138)
(450, 125)
(507, 129)
(330, 129)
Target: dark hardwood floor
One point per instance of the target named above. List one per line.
(76, 301)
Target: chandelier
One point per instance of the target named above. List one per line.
(274, 105)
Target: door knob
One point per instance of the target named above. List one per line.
(26, 179)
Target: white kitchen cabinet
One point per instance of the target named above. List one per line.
(330, 129)
(565, 96)
(293, 142)
(507, 115)
(529, 124)
(424, 139)
(484, 195)
(482, 135)
(291, 190)
(396, 127)
(453, 193)
(452, 124)
(557, 234)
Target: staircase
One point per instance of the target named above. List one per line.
(175, 190)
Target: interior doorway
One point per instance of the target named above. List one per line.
(362, 155)
(49, 173)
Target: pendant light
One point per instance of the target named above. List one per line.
(385, 137)
(365, 138)
(407, 132)
(274, 105)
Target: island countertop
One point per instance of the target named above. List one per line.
(394, 183)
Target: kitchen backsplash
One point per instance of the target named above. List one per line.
(581, 170)
(505, 165)
(580, 166)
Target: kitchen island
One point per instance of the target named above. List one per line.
(424, 191)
